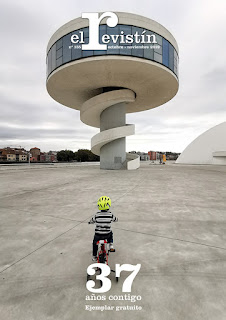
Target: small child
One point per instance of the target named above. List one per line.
(103, 219)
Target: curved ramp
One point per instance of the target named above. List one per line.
(91, 113)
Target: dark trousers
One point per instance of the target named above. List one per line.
(97, 237)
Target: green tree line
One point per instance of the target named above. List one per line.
(81, 155)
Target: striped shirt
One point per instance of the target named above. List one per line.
(103, 220)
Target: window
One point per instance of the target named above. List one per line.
(53, 58)
(113, 31)
(149, 54)
(88, 53)
(175, 62)
(159, 39)
(137, 52)
(165, 52)
(102, 31)
(125, 50)
(59, 44)
(85, 32)
(157, 57)
(59, 53)
(85, 53)
(59, 62)
(171, 56)
(76, 53)
(159, 50)
(49, 62)
(66, 50)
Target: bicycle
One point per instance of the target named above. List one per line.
(102, 255)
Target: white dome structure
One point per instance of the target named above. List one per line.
(208, 148)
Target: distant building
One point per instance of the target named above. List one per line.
(53, 155)
(10, 155)
(35, 153)
(50, 156)
(53, 152)
(42, 157)
(143, 156)
(3, 156)
(152, 155)
(21, 155)
(157, 155)
(13, 155)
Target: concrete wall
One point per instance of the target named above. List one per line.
(113, 154)
(133, 161)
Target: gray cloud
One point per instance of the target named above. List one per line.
(29, 116)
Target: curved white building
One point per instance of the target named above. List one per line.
(106, 65)
(208, 148)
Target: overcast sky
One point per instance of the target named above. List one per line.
(30, 117)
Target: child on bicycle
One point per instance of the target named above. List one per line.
(103, 219)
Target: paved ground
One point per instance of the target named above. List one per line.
(172, 220)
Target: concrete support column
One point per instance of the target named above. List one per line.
(113, 154)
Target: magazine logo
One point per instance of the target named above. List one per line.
(111, 21)
(94, 22)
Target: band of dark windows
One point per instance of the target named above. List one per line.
(60, 53)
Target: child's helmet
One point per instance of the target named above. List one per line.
(104, 203)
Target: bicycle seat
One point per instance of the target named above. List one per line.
(102, 241)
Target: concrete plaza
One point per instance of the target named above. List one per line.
(172, 220)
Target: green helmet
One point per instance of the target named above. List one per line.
(104, 203)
